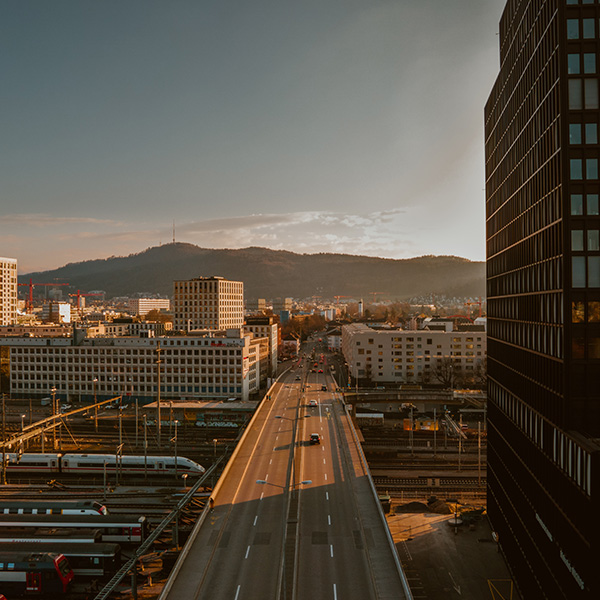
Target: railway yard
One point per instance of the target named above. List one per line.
(405, 467)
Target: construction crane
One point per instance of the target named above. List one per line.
(337, 298)
(31, 285)
(79, 296)
(375, 294)
(478, 303)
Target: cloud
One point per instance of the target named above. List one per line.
(43, 220)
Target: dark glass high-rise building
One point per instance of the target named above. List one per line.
(543, 284)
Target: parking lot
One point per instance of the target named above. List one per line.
(444, 562)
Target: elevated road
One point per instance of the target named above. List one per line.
(291, 519)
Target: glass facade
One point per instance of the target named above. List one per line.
(543, 282)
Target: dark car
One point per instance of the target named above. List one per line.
(315, 438)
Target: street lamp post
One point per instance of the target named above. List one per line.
(94, 382)
(158, 361)
(53, 391)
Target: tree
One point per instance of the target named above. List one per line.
(447, 371)
(158, 317)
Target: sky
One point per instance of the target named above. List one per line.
(347, 126)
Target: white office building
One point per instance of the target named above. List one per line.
(208, 303)
(8, 291)
(209, 366)
(142, 306)
(409, 356)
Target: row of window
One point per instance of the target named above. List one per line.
(581, 29)
(541, 338)
(590, 207)
(585, 271)
(585, 240)
(585, 312)
(572, 459)
(578, 172)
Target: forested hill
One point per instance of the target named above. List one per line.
(274, 273)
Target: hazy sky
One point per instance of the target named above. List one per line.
(351, 126)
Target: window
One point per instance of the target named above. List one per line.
(593, 241)
(577, 240)
(591, 93)
(594, 271)
(576, 204)
(591, 133)
(589, 63)
(575, 96)
(573, 28)
(592, 204)
(591, 168)
(577, 312)
(578, 268)
(576, 168)
(575, 133)
(594, 312)
(589, 29)
(573, 64)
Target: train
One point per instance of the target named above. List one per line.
(62, 535)
(56, 507)
(121, 529)
(33, 573)
(87, 464)
(86, 560)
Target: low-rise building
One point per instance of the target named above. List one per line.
(408, 356)
(265, 326)
(142, 306)
(214, 365)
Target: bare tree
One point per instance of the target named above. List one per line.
(447, 371)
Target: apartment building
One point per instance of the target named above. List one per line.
(142, 306)
(401, 356)
(265, 327)
(8, 291)
(208, 303)
(208, 366)
(543, 297)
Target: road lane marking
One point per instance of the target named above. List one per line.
(266, 477)
(237, 594)
(247, 552)
(271, 462)
(256, 519)
(330, 550)
(325, 476)
(323, 448)
(334, 592)
(324, 462)
(327, 495)
(329, 519)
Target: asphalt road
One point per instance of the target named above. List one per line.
(287, 514)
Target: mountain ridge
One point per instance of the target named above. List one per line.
(270, 273)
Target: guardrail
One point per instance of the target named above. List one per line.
(401, 574)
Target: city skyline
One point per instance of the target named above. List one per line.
(311, 128)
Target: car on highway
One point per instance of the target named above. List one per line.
(312, 403)
(298, 378)
(320, 370)
(315, 438)
(323, 388)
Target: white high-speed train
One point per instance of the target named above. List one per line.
(98, 463)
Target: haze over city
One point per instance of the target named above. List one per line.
(313, 126)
